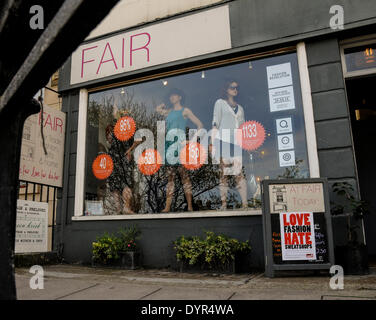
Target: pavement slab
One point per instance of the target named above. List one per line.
(75, 282)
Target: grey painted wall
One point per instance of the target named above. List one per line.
(255, 24)
(257, 21)
(332, 120)
(158, 236)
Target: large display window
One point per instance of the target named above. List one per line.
(199, 141)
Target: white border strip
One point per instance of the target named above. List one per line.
(313, 159)
(185, 215)
(81, 154)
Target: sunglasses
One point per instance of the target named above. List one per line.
(234, 87)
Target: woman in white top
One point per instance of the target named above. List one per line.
(229, 115)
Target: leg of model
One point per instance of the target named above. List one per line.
(170, 190)
(117, 201)
(187, 186)
(241, 184)
(223, 186)
(127, 198)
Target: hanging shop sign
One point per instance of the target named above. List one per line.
(297, 225)
(173, 40)
(35, 165)
(31, 227)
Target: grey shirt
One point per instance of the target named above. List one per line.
(224, 117)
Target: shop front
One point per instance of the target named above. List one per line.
(172, 125)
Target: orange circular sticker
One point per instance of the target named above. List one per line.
(102, 166)
(251, 135)
(193, 156)
(149, 162)
(125, 128)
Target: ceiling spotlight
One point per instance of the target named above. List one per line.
(203, 74)
(250, 65)
(165, 82)
(122, 91)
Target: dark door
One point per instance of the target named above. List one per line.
(362, 102)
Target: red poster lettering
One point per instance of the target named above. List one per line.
(295, 239)
(306, 219)
(285, 221)
(299, 217)
(287, 238)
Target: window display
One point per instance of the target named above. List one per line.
(199, 141)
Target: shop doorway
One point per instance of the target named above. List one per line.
(362, 104)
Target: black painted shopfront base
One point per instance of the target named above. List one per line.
(158, 235)
(353, 259)
(129, 260)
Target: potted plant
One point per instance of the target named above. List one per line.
(215, 252)
(118, 250)
(106, 250)
(353, 255)
(130, 253)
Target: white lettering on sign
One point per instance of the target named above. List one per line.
(172, 40)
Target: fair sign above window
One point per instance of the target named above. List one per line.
(173, 40)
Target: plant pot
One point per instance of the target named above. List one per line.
(130, 260)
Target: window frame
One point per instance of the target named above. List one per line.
(353, 43)
(310, 132)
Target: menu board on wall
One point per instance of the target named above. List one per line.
(297, 225)
(31, 226)
(35, 165)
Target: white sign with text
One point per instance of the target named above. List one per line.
(279, 75)
(285, 142)
(297, 236)
(284, 125)
(281, 99)
(173, 40)
(31, 226)
(287, 158)
(35, 166)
